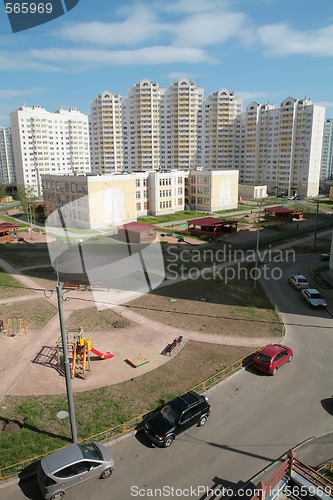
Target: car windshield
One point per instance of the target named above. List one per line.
(169, 414)
(264, 358)
(302, 280)
(90, 450)
(315, 296)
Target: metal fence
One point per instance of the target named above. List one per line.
(134, 424)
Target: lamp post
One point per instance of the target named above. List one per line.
(316, 224)
(69, 390)
(258, 238)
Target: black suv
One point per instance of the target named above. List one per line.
(176, 417)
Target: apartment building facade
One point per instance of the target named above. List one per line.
(215, 130)
(326, 170)
(141, 127)
(48, 143)
(7, 166)
(106, 133)
(106, 201)
(280, 147)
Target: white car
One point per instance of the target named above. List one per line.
(313, 297)
(298, 281)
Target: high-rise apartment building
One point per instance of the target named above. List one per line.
(215, 129)
(106, 137)
(280, 147)
(326, 171)
(48, 143)
(141, 127)
(177, 128)
(181, 105)
(7, 167)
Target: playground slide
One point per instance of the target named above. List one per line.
(102, 355)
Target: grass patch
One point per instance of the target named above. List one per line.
(24, 255)
(92, 320)
(107, 407)
(9, 286)
(36, 312)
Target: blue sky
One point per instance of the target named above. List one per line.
(264, 50)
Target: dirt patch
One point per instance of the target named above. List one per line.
(36, 312)
(92, 320)
(233, 309)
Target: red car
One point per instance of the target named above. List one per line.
(272, 357)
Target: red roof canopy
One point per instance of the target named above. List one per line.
(6, 226)
(136, 227)
(205, 221)
(279, 210)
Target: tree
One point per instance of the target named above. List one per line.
(27, 199)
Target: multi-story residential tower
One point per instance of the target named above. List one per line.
(326, 171)
(7, 167)
(106, 136)
(48, 143)
(280, 147)
(141, 127)
(215, 129)
(181, 104)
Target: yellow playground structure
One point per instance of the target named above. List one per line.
(79, 349)
(15, 325)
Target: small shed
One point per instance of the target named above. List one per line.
(137, 232)
(210, 226)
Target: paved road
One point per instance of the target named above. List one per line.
(254, 420)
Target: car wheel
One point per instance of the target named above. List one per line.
(290, 358)
(58, 496)
(274, 371)
(168, 441)
(202, 420)
(106, 473)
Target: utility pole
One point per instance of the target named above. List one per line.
(316, 224)
(69, 390)
(258, 238)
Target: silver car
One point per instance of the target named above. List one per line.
(63, 469)
(313, 297)
(298, 281)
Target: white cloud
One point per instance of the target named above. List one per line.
(326, 104)
(192, 6)
(148, 55)
(10, 93)
(18, 61)
(194, 24)
(282, 40)
(213, 29)
(140, 26)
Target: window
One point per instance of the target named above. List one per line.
(138, 206)
(137, 195)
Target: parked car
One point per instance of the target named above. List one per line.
(298, 281)
(176, 417)
(63, 469)
(325, 256)
(313, 298)
(272, 357)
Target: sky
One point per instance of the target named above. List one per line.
(263, 50)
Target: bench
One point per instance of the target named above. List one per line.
(170, 347)
(74, 285)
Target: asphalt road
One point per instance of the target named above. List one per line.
(255, 418)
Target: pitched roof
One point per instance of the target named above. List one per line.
(136, 227)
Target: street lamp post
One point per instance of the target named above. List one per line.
(316, 224)
(69, 390)
(258, 238)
